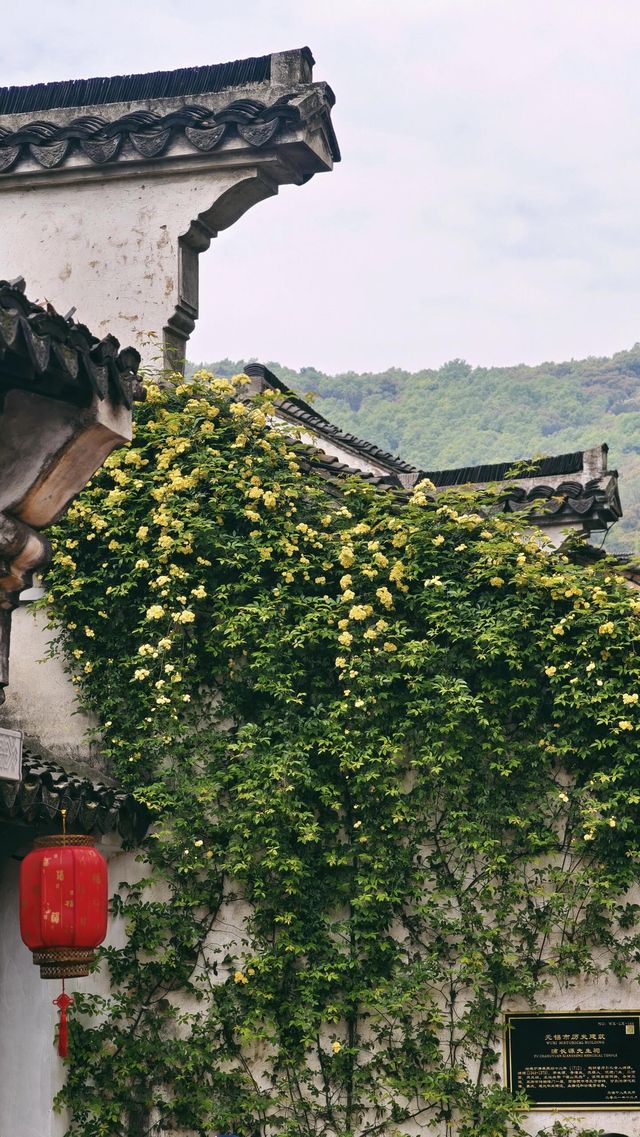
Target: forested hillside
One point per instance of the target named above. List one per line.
(459, 415)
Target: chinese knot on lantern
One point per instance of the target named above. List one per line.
(63, 910)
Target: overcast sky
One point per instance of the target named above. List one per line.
(488, 201)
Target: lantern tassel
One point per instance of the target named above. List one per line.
(63, 1001)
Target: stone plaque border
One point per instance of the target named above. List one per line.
(575, 1016)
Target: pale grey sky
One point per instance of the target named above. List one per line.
(487, 201)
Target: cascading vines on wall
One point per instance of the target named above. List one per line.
(397, 734)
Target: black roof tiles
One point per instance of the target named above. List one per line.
(596, 501)
(135, 88)
(49, 354)
(296, 409)
(92, 807)
(496, 472)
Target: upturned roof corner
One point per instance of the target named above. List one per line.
(147, 170)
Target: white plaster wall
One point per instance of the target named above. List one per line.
(108, 248)
(31, 1072)
(333, 450)
(41, 700)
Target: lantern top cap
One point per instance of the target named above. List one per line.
(59, 840)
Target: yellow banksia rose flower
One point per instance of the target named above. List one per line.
(270, 499)
(359, 611)
(345, 638)
(240, 977)
(388, 646)
(424, 486)
(439, 540)
(624, 724)
(550, 670)
(346, 556)
(184, 617)
(629, 699)
(155, 612)
(496, 582)
(336, 1047)
(348, 595)
(385, 597)
(606, 629)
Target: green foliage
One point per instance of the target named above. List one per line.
(393, 741)
(459, 416)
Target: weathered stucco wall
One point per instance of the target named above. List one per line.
(31, 1073)
(110, 248)
(41, 700)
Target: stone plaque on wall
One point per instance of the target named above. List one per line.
(585, 1060)
(10, 755)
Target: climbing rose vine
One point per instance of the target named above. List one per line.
(390, 751)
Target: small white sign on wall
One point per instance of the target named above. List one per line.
(10, 755)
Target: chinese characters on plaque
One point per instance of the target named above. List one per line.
(583, 1060)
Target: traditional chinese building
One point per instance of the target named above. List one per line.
(109, 191)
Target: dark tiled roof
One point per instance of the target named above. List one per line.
(538, 468)
(297, 410)
(334, 472)
(597, 500)
(135, 88)
(148, 133)
(46, 788)
(51, 355)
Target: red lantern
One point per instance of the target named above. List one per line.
(63, 904)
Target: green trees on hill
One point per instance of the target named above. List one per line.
(463, 416)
